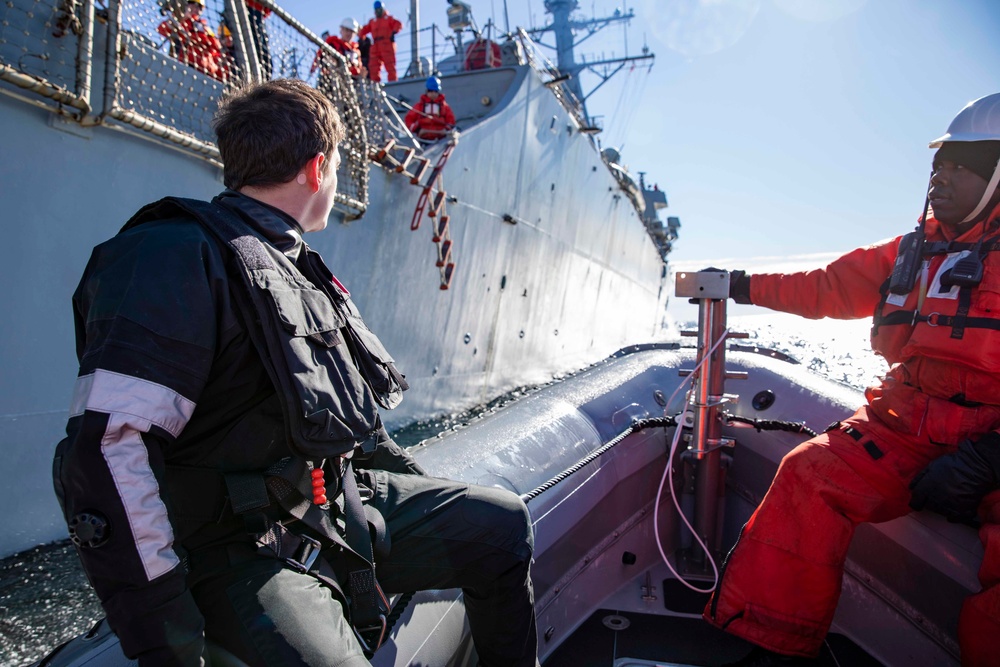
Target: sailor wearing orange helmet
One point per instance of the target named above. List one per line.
(383, 29)
(928, 436)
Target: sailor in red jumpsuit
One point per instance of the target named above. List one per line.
(431, 118)
(383, 29)
(927, 436)
(345, 46)
(194, 43)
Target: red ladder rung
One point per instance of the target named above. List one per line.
(404, 159)
(444, 253)
(440, 228)
(446, 275)
(418, 174)
(418, 212)
(382, 152)
(436, 205)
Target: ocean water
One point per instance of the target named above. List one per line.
(45, 598)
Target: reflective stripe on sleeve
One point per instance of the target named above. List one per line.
(114, 393)
(132, 406)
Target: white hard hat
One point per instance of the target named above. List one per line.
(978, 121)
(350, 24)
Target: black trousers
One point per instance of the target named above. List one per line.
(443, 534)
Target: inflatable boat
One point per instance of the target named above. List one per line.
(628, 547)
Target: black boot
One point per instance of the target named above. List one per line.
(760, 657)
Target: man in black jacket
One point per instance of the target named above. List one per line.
(224, 446)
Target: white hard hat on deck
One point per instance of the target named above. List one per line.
(350, 24)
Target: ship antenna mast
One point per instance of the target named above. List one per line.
(564, 29)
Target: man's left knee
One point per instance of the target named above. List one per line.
(505, 514)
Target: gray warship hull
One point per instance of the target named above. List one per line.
(554, 267)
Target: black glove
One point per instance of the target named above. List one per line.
(954, 484)
(739, 287)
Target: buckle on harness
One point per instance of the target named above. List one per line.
(305, 556)
(932, 319)
(376, 634)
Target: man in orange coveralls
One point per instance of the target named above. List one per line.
(383, 29)
(927, 437)
(345, 46)
(194, 43)
(431, 118)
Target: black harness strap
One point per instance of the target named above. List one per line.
(936, 320)
(960, 320)
(878, 319)
(367, 603)
(946, 247)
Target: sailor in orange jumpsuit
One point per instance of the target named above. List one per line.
(345, 46)
(194, 43)
(927, 436)
(431, 118)
(383, 29)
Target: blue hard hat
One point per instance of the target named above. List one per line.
(378, 4)
(434, 83)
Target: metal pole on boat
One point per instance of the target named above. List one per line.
(707, 427)
(710, 289)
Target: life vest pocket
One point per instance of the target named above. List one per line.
(375, 364)
(302, 310)
(899, 406)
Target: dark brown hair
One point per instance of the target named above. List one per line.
(268, 131)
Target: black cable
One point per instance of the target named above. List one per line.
(637, 425)
(773, 425)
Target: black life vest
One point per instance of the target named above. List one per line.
(330, 371)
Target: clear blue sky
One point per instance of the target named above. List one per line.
(776, 127)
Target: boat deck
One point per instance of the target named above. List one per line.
(605, 640)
